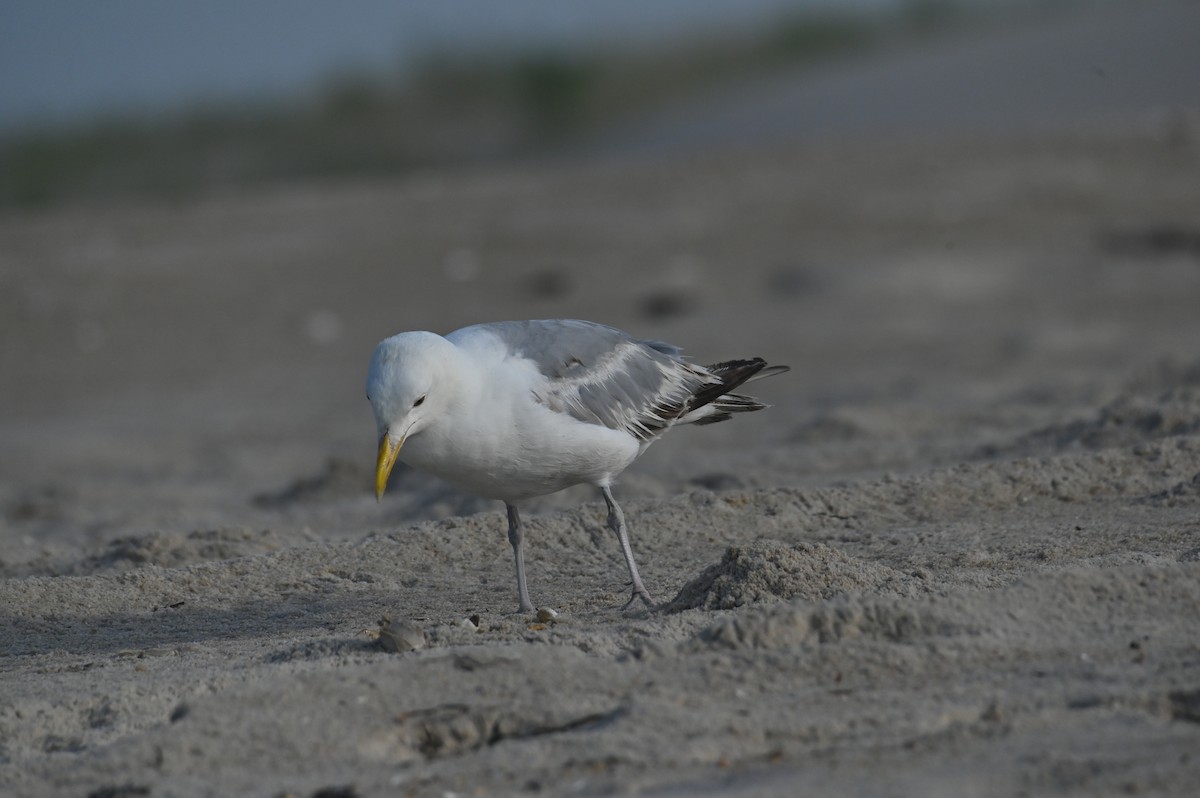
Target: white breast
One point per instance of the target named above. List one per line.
(505, 445)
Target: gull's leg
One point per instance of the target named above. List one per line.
(616, 522)
(514, 537)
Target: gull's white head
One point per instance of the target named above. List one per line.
(403, 389)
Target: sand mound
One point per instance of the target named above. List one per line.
(1128, 420)
(770, 570)
(339, 478)
(840, 620)
(173, 551)
(414, 495)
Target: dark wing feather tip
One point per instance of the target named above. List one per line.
(722, 403)
(600, 375)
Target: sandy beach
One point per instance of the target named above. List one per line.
(959, 555)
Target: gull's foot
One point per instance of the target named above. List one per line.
(639, 594)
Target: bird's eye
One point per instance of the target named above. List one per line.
(419, 402)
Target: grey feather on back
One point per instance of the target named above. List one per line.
(600, 375)
(560, 347)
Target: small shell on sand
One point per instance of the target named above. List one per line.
(400, 636)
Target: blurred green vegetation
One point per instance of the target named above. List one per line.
(452, 110)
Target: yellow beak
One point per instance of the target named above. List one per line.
(388, 449)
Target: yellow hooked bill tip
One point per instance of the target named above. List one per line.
(388, 449)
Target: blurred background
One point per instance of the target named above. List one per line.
(169, 100)
(959, 219)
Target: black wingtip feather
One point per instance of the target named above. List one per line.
(770, 371)
(732, 373)
(713, 419)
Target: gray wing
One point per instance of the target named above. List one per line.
(600, 375)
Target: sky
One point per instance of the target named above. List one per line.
(63, 60)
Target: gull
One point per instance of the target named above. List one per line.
(517, 409)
